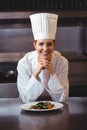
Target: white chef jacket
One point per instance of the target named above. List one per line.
(56, 85)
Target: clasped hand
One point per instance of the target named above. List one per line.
(43, 64)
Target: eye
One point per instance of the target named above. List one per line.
(49, 43)
(41, 43)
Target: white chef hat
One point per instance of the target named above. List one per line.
(44, 25)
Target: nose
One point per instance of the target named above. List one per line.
(45, 47)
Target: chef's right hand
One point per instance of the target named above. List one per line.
(39, 67)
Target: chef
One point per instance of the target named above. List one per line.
(43, 70)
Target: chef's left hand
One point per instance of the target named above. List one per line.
(48, 66)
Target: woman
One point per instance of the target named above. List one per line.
(43, 70)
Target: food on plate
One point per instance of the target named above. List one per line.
(43, 105)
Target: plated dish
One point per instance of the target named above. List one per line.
(40, 106)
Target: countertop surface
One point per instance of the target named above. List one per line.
(73, 116)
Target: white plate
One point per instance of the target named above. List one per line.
(27, 106)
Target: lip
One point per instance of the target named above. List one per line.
(45, 53)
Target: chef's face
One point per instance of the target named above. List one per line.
(44, 48)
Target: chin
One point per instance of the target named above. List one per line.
(45, 56)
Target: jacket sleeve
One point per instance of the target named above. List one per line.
(29, 88)
(59, 84)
